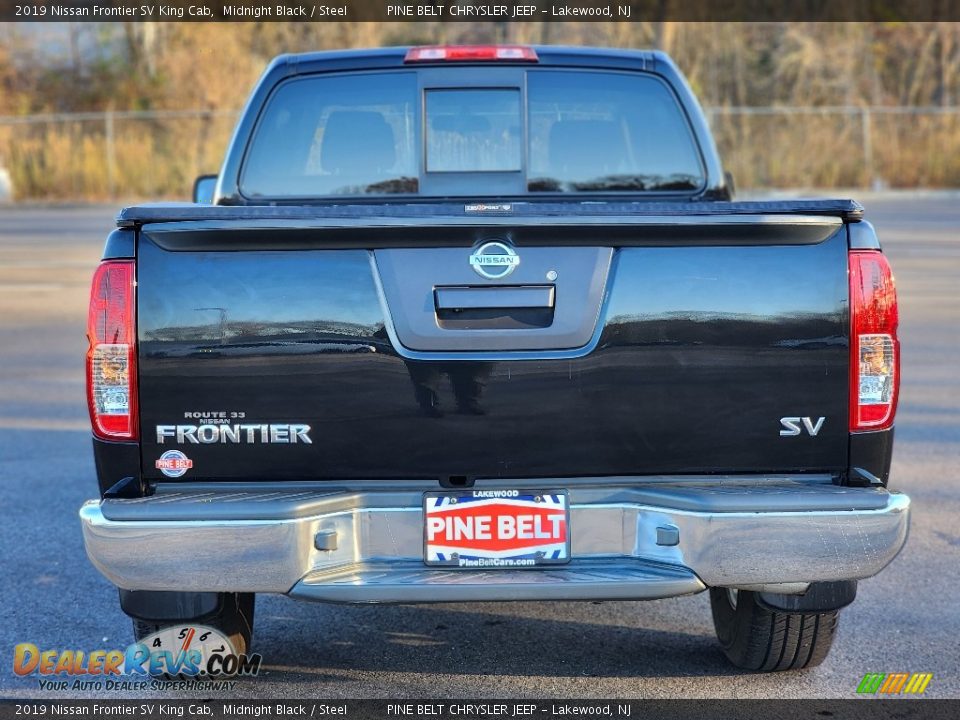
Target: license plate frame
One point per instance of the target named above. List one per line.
(501, 552)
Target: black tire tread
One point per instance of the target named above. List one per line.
(756, 638)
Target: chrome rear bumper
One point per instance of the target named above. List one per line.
(265, 538)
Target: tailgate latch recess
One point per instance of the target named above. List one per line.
(502, 307)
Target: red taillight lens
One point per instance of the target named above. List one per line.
(874, 347)
(112, 357)
(463, 53)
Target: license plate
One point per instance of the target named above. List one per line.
(496, 528)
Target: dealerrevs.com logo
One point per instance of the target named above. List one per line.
(197, 655)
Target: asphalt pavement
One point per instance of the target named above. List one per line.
(905, 620)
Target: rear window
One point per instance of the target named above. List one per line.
(608, 132)
(341, 135)
(474, 130)
(373, 133)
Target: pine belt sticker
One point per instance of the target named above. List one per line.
(174, 463)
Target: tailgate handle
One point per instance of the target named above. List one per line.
(488, 298)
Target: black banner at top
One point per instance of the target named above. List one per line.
(478, 10)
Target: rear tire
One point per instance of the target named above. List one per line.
(233, 617)
(756, 638)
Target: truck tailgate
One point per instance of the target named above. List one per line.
(298, 350)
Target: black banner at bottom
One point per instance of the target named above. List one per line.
(904, 709)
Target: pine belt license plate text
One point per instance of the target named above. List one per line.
(496, 528)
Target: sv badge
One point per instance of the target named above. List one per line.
(796, 425)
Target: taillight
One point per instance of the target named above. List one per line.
(464, 53)
(112, 356)
(874, 347)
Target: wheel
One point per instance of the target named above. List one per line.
(233, 618)
(756, 638)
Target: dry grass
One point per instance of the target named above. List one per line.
(159, 158)
(825, 151)
(214, 65)
(152, 158)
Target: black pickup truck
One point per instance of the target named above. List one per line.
(485, 323)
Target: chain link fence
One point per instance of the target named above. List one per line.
(157, 154)
(839, 147)
(112, 155)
